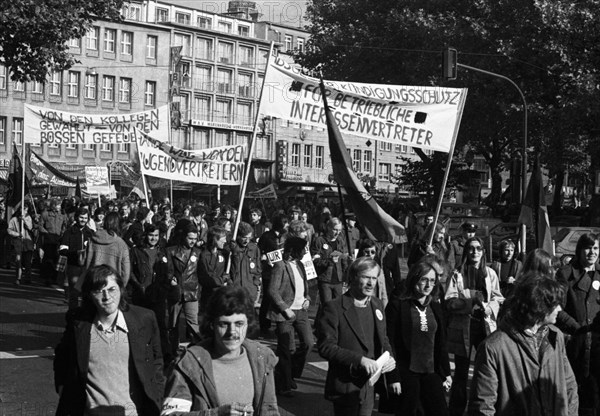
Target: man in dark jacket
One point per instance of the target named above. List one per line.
(73, 245)
(182, 276)
(52, 224)
(352, 337)
(109, 359)
(245, 266)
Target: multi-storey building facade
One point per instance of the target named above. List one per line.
(122, 69)
(215, 85)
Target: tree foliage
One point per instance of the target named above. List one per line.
(549, 48)
(34, 34)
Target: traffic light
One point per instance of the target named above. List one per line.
(449, 66)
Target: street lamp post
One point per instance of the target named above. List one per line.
(523, 144)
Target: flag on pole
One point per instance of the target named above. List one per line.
(378, 224)
(15, 180)
(138, 189)
(534, 213)
(78, 189)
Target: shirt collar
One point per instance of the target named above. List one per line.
(119, 323)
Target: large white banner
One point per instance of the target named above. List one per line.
(417, 116)
(46, 125)
(217, 166)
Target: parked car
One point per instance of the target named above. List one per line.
(566, 240)
(484, 225)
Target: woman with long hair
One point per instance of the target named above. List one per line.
(472, 300)
(417, 332)
(508, 267)
(212, 263)
(22, 242)
(439, 246)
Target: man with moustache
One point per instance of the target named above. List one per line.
(225, 374)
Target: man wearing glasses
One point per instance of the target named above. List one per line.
(109, 359)
(225, 374)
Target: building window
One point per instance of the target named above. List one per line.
(224, 81)
(204, 48)
(126, 43)
(184, 106)
(184, 41)
(246, 56)
(109, 40)
(245, 88)
(150, 93)
(183, 18)
(162, 15)
(2, 77)
(105, 147)
(204, 22)
(186, 80)
(288, 43)
(200, 139)
(132, 12)
(308, 155)
(202, 78)
(123, 148)
(356, 159)
(71, 146)
(90, 88)
(17, 130)
(412, 150)
(73, 85)
(404, 148)
(384, 171)
(92, 38)
(151, 42)
(125, 90)
(224, 27)
(19, 86)
(202, 108)
(386, 147)
(244, 114)
(244, 31)
(75, 43)
(108, 88)
(223, 111)
(2, 130)
(225, 53)
(367, 157)
(38, 87)
(222, 138)
(295, 155)
(300, 44)
(55, 83)
(397, 169)
(89, 147)
(263, 55)
(319, 153)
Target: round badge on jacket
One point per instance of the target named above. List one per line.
(379, 314)
(596, 285)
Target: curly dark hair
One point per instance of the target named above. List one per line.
(534, 297)
(225, 301)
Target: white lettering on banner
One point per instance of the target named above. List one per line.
(60, 127)
(420, 116)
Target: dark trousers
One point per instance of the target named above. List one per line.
(263, 321)
(23, 266)
(329, 291)
(292, 359)
(422, 391)
(357, 404)
(47, 269)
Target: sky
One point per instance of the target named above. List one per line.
(287, 12)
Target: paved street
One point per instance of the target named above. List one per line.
(31, 324)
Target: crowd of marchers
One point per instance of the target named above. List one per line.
(528, 328)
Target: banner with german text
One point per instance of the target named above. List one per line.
(46, 125)
(216, 166)
(417, 116)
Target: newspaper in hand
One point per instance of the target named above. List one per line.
(380, 362)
